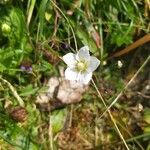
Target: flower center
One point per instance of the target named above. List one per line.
(81, 66)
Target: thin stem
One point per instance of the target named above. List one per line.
(111, 117)
(119, 124)
(71, 114)
(50, 133)
(101, 38)
(127, 85)
(30, 8)
(16, 95)
(75, 41)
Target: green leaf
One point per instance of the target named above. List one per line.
(41, 13)
(18, 21)
(86, 40)
(146, 116)
(58, 119)
(11, 142)
(29, 90)
(84, 37)
(2, 67)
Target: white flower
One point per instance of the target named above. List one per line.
(80, 65)
(120, 64)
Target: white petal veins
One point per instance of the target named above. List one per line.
(70, 74)
(70, 59)
(83, 53)
(84, 78)
(93, 64)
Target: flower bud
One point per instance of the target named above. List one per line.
(6, 29)
(120, 64)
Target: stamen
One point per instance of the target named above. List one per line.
(81, 66)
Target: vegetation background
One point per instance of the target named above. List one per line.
(35, 34)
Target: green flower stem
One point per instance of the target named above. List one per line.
(111, 117)
(16, 95)
(75, 41)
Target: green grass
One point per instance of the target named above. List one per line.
(36, 34)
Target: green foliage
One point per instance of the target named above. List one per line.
(123, 34)
(29, 90)
(57, 120)
(33, 33)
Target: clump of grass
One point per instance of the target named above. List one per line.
(33, 37)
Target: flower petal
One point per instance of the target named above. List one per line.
(83, 53)
(93, 64)
(70, 59)
(84, 78)
(70, 74)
